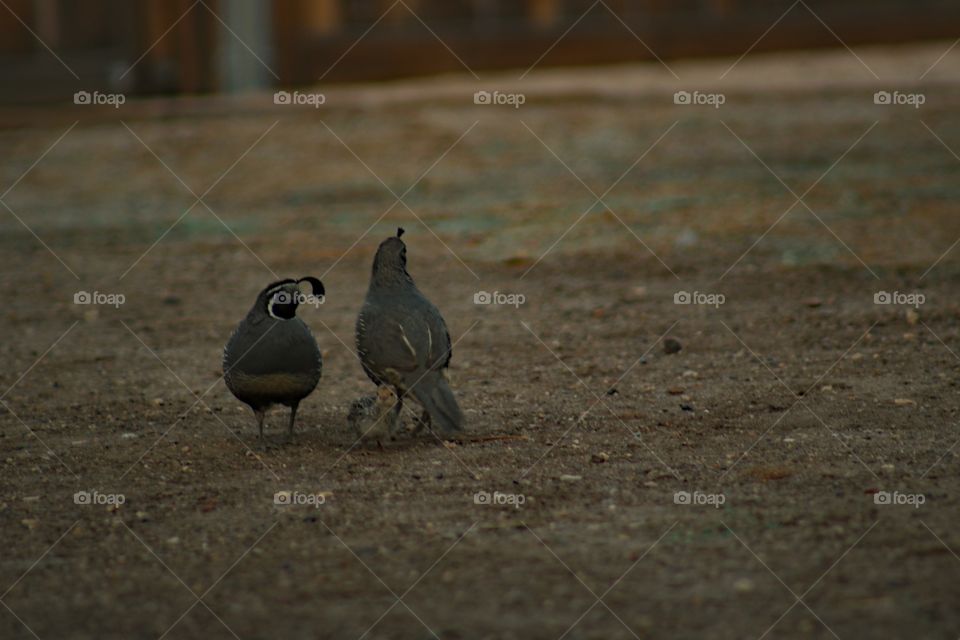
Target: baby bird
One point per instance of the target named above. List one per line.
(402, 339)
(372, 417)
(272, 357)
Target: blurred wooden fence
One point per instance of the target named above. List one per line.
(183, 46)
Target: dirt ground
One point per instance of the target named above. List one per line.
(786, 414)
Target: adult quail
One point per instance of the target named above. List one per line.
(272, 357)
(403, 341)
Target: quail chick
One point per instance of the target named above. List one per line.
(372, 417)
(272, 357)
(403, 341)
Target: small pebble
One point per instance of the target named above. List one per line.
(599, 458)
(671, 346)
(570, 478)
(743, 585)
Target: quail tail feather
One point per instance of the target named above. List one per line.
(437, 398)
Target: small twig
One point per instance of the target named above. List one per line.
(493, 438)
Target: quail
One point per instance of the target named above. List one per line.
(272, 357)
(403, 341)
(372, 417)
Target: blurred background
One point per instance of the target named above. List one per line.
(191, 46)
(819, 174)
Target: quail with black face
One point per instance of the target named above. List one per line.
(272, 357)
(402, 339)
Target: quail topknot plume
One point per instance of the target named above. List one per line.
(272, 357)
(403, 341)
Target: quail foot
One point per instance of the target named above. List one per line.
(403, 341)
(272, 357)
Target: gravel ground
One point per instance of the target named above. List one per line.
(609, 485)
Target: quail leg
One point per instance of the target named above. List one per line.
(396, 419)
(260, 414)
(423, 422)
(293, 418)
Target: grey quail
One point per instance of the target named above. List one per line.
(272, 357)
(403, 341)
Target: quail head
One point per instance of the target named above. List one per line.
(272, 357)
(403, 341)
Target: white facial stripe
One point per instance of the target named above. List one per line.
(272, 301)
(270, 311)
(277, 288)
